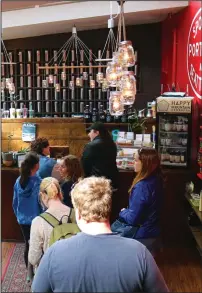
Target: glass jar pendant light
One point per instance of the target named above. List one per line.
(99, 77)
(116, 106)
(92, 83)
(128, 87)
(79, 81)
(57, 87)
(85, 75)
(104, 85)
(126, 55)
(63, 75)
(113, 74)
(71, 85)
(51, 79)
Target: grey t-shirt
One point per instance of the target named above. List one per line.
(98, 263)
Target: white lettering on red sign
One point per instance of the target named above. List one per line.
(194, 54)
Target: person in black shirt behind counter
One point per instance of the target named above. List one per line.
(99, 155)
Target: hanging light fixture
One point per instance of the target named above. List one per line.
(71, 85)
(57, 87)
(105, 85)
(126, 55)
(79, 81)
(116, 106)
(7, 82)
(100, 77)
(85, 75)
(92, 83)
(128, 87)
(113, 74)
(63, 75)
(50, 79)
(77, 49)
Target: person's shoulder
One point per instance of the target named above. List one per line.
(129, 246)
(36, 179)
(37, 221)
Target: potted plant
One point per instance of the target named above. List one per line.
(7, 157)
(137, 125)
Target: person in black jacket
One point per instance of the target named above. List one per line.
(99, 155)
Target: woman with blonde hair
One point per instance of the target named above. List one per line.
(70, 171)
(146, 195)
(51, 198)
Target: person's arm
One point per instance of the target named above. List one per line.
(137, 206)
(153, 279)
(15, 200)
(41, 282)
(86, 160)
(36, 242)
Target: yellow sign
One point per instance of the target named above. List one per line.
(174, 105)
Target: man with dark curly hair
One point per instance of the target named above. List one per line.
(46, 164)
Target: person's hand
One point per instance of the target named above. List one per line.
(122, 209)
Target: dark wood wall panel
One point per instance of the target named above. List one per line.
(146, 40)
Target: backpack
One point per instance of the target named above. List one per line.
(60, 230)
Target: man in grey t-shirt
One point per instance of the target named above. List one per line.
(97, 260)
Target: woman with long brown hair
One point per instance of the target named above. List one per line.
(146, 194)
(70, 170)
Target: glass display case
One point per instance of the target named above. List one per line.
(174, 130)
(173, 140)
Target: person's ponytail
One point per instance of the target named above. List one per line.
(27, 165)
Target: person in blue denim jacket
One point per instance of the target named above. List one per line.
(46, 164)
(26, 203)
(146, 196)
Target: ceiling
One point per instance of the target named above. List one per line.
(23, 19)
(10, 5)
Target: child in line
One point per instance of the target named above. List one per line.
(26, 203)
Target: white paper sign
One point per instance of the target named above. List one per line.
(28, 131)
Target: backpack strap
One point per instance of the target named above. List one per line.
(50, 219)
(68, 220)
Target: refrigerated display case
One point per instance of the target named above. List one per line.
(174, 118)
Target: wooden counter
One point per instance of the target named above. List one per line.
(59, 131)
(173, 215)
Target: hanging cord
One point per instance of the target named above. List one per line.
(121, 25)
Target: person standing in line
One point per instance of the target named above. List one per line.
(97, 260)
(46, 164)
(146, 199)
(51, 198)
(26, 203)
(99, 155)
(70, 171)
